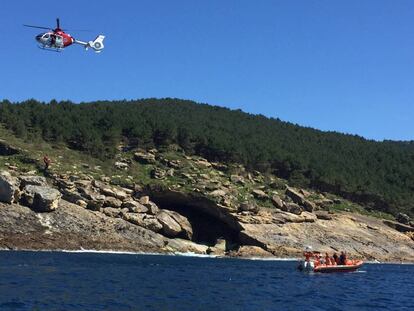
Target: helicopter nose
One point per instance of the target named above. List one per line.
(38, 38)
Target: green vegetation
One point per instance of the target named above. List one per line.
(377, 174)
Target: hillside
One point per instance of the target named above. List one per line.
(379, 175)
(166, 201)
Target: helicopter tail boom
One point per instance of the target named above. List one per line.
(97, 44)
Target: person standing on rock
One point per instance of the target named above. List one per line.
(47, 162)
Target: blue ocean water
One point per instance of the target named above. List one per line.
(96, 281)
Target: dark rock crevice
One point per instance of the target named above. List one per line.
(208, 222)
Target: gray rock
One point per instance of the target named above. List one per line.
(248, 207)
(134, 206)
(112, 202)
(121, 165)
(144, 158)
(71, 195)
(186, 228)
(9, 186)
(144, 200)
(81, 203)
(152, 208)
(403, 218)
(170, 227)
(32, 180)
(41, 198)
(294, 195)
(300, 199)
(260, 194)
(309, 206)
(292, 208)
(277, 201)
(398, 226)
(111, 212)
(145, 221)
(323, 215)
(120, 194)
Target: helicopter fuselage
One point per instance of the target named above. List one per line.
(57, 39)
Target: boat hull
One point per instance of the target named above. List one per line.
(310, 267)
(339, 268)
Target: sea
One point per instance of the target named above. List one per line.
(116, 281)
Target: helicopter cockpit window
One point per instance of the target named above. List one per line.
(46, 36)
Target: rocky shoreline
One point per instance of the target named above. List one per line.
(195, 206)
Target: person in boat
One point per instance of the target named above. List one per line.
(342, 258)
(317, 257)
(308, 253)
(327, 259)
(335, 258)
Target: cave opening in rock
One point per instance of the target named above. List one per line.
(207, 229)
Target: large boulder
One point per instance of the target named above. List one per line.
(170, 227)
(398, 226)
(219, 249)
(144, 200)
(111, 212)
(295, 195)
(277, 201)
(32, 180)
(144, 158)
(112, 202)
(323, 215)
(248, 207)
(152, 208)
(292, 208)
(146, 221)
(250, 251)
(403, 218)
(260, 194)
(300, 199)
(186, 228)
(41, 198)
(134, 206)
(71, 195)
(185, 246)
(9, 187)
(120, 194)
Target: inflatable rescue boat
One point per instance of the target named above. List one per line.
(315, 263)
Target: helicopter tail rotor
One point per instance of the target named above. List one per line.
(97, 44)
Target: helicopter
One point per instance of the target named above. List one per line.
(57, 39)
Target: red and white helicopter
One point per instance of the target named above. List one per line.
(56, 39)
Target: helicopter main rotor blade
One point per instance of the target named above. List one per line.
(40, 27)
(83, 30)
(57, 23)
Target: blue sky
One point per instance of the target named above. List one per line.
(346, 66)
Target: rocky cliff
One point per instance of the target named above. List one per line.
(164, 201)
